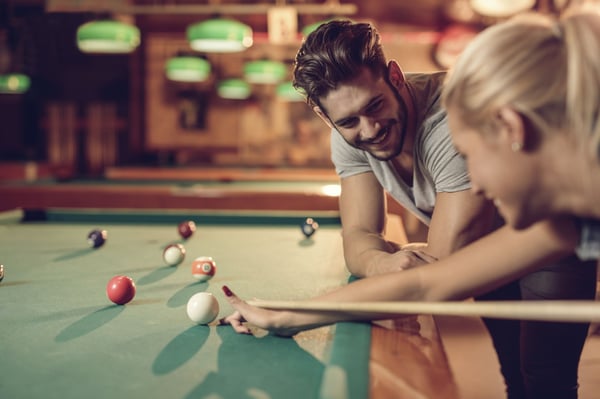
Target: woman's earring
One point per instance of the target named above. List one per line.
(516, 146)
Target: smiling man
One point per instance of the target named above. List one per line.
(389, 134)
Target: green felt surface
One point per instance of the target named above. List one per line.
(62, 338)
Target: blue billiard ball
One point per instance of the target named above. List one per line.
(309, 227)
(97, 238)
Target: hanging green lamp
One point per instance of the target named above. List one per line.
(108, 37)
(14, 83)
(219, 35)
(234, 89)
(264, 71)
(187, 69)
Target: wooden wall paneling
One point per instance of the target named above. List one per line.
(101, 144)
(63, 137)
(93, 139)
(111, 132)
(163, 127)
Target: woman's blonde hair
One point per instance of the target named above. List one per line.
(546, 68)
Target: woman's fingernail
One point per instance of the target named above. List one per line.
(227, 291)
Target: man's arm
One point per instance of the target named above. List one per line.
(363, 214)
(458, 219)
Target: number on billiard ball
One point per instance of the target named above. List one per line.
(186, 229)
(97, 238)
(174, 254)
(204, 268)
(120, 289)
(309, 227)
(202, 308)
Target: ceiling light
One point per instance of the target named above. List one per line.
(264, 71)
(187, 69)
(14, 83)
(107, 36)
(219, 36)
(235, 89)
(501, 8)
(287, 92)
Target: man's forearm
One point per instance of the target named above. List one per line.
(364, 251)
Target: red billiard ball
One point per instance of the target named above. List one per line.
(120, 289)
(174, 254)
(97, 238)
(204, 268)
(309, 227)
(186, 229)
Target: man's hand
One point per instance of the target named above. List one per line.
(409, 256)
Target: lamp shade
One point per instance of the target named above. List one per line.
(107, 36)
(287, 92)
(219, 36)
(501, 8)
(235, 89)
(264, 71)
(14, 83)
(187, 69)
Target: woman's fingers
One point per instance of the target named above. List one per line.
(236, 320)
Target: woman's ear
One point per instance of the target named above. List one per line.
(512, 128)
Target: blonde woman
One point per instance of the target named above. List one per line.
(524, 107)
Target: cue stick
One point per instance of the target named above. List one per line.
(576, 311)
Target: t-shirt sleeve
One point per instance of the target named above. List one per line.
(589, 244)
(447, 167)
(348, 161)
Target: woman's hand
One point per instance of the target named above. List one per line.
(274, 321)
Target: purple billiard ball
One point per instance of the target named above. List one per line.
(186, 229)
(97, 238)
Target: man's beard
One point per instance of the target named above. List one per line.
(401, 116)
(388, 130)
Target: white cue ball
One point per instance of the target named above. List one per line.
(202, 308)
(174, 254)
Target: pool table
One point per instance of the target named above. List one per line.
(184, 188)
(62, 338)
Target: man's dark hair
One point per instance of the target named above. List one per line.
(337, 52)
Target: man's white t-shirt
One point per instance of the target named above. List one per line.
(438, 167)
